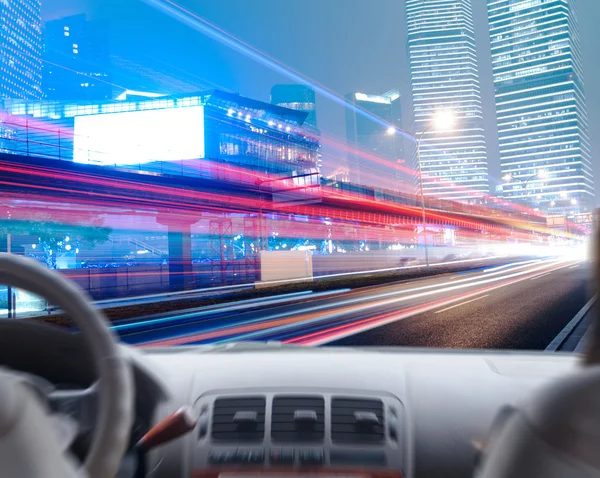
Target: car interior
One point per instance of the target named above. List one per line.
(81, 404)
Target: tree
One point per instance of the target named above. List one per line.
(55, 238)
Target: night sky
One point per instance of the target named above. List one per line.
(344, 45)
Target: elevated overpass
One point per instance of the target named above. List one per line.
(178, 195)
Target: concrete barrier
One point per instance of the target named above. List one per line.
(383, 259)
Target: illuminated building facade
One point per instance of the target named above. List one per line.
(20, 49)
(540, 104)
(374, 150)
(444, 77)
(212, 125)
(76, 59)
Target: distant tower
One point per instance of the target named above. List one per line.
(296, 97)
(76, 59)
(444, 76)
(20, 49)
(375, 146)
(540, 104)
(299, 98)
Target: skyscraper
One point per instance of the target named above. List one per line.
(299, 98)
(540, 106)
(20, 49)
(296, 97)
(374, 149)
(76, 59)
(444, 77)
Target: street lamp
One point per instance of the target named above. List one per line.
(442, 120)
(539, 174)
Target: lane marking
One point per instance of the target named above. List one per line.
(462, 303)
(564, 334)
(543, 275)
(574, 267)
(512, 264)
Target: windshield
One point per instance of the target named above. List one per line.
(392, 173)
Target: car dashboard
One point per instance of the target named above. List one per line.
(275, 409)
(337, 411)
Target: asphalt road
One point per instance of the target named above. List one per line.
(525, 315)
(517, 306)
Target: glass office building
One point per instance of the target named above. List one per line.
(20, 49)
(296, 97)
(76, 59)
(444, 77)
(375, 147)
(540, 104)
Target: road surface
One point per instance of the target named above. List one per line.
(522, 305)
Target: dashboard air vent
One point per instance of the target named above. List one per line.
(238, 419)
(357, 420)
(299, 418)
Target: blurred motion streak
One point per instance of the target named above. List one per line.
(164, 226)
(339, 320)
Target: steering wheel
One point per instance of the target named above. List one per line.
(28, 443)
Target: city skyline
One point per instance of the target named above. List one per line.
(445, 77)
(324, 109)
(540, 103)
(21, 47)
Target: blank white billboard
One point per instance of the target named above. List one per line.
(133, 137)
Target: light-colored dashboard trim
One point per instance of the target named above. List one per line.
(492, 379)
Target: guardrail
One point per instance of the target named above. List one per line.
(567, 340)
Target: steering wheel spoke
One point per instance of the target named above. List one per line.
(78, 405)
